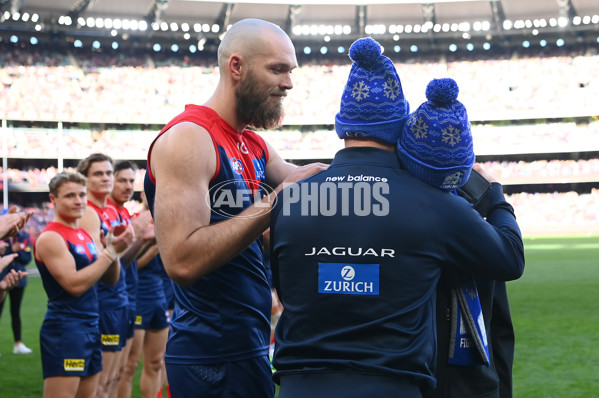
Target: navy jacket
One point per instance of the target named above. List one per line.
(356, 254)
(476, 381)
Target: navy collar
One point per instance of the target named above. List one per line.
(366, 155)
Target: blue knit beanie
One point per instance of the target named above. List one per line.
(436, 143)
(372, 104)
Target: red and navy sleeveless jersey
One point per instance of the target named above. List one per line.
(131, 275)
(122, 212)
(226, 314)
(111, 297)
(109, 216)
(240, 163)
(61, 304)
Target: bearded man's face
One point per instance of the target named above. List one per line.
(259, 105)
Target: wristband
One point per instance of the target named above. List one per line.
(110, 254)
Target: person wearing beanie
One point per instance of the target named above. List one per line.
(373, 106)
(436, 146)
(357, 251)
(436, 143)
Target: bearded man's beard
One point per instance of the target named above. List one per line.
(254, 107)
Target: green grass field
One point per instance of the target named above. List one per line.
(21, 375)
(553, 307)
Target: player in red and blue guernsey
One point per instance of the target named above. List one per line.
(122, 192)
(70, 263)
(113, 300)
(206, 177)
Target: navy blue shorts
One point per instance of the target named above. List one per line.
(113, 329)
(249, 378)
(70, 353)
(151, 315)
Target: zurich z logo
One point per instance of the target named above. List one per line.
(343, 278)
(237, 165)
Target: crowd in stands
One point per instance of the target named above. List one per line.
(489, 139)
(508, 172)
(37, 179)
(547, 170)
(557, 213)
(61, 85)
(538, 213)
(75, 143)
(108, 88)
(539, 209)
(321, 144)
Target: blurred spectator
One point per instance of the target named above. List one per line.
(20, 244)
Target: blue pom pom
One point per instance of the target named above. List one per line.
(365, 52)
(442, 92)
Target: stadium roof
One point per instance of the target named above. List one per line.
(307, 11)
(312, 21)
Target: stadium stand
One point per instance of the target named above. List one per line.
(539, 139)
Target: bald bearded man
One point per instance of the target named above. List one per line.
(207, 187)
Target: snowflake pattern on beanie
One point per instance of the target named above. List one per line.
(372, 104)
(436, 142)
